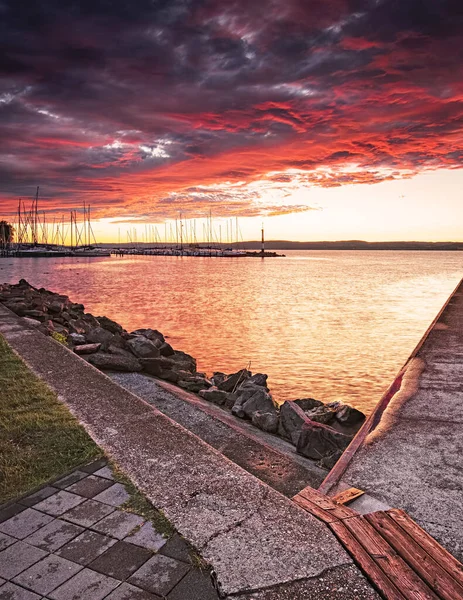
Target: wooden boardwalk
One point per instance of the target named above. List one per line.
(398, 557)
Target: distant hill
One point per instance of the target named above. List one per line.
(340, 245)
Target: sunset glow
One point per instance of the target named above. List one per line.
(329, 119)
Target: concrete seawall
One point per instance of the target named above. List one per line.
(408, 454)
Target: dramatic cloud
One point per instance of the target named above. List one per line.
(151, 107)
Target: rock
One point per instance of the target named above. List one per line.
(195, 384)
(120, 351)
(155, 366)
(317, 441)
(168, 375)
(183, 361)
(260, 401)
(56, 306)
(166, 349)
(218, 377)
(215, 396)
(90, 319)
(321, 414)
(77, 307)
(119, 341)
(77, 339)
(267, 421)
(87, 348)
(36, 314)
(109, 325)
(328, 462)
(78, 326)
(307, 403)
(348, 415)
(19, 308)
(232, 381)
(292, 417)
(259, 379)
(142, 347)
(152, 334)
(98, 335)
(113, 362)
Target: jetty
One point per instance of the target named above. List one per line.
(384, 522)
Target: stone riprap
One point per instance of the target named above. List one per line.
(319, 431)
(93, 549)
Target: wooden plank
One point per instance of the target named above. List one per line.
(326, 503)
(428, 543)
(427, 568)
(347, 496)
(314, 509)
(403, 577)
(367, 565)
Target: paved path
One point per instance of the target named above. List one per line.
(413, 459)
(71, 541)
(258, 541)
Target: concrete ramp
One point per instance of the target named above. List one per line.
(409, 455)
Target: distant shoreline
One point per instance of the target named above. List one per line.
(339, 245)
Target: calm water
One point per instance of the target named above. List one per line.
(332, 325)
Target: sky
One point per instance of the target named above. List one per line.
(322, 119)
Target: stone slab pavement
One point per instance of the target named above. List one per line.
(71, 541)
(412, 460)
(254, 537)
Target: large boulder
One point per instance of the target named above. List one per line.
(348, 415)
(260, 401)
(292, 417)
(98, 335)
(77, 339)
(317, 441)
(183, 361)
(267, 421)
(155, 366)
(166, 349)
(217, 396)
(110, 325)
(259, 379)
(234, 380)
(218, 377)
(307, 403)
(194, 383)
(114, 362)
(87, 348)
(152, 334)
(321, 414)
(243, 393)
(142, 347)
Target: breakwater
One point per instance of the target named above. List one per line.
(319, 431)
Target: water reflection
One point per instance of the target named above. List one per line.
(332, 325)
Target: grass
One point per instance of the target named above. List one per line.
(39, 438)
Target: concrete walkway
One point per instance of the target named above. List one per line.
(70, 541)
(259, 542)
(413, 458)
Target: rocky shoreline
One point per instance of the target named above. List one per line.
(318, 431)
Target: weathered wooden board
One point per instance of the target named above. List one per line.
(312, 508)
(327, 503)
(428, 543)
(365, 562)
(347, 495)
(403, 576)
(437, 578)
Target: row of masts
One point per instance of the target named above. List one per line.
(33, 229)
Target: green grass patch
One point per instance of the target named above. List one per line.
(39, 438)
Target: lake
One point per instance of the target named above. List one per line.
(333, 325)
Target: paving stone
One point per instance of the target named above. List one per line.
(54, 535)
(177, 548)
(105, 472)
(196, 585)
(10, 511)
(25, 523)
(130, 592)
(159, 575)
(95, 465)
(86, 547)
(90, 486)
(64, 482)
(147, 537)
(41, 494)
(5, 541)
(48, 574)
(86, 585)
(121, 560)
(88, 513)
(59, 503)
(118, 524)
(115, 495)
(10, 591)
(17, 558)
